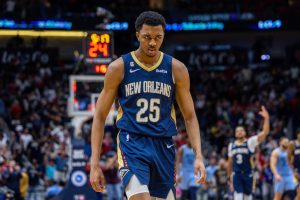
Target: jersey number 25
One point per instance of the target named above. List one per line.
(144, 105)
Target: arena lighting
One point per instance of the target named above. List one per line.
(40, 24)
(269, 24)
(265, 57)
(195, 26)
(32, 33)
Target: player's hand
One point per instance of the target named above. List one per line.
(231, 189)
(264, 113)
(97, 178)
(296, 175)
(278, 177)
(178, 179)
(199, 168)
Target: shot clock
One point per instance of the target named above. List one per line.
(98, 49)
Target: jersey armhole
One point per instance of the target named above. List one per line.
(230, 150)
(172, 70)
(124, 69)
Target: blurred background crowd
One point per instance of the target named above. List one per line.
(36, 130)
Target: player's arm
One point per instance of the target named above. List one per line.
(273, 163)
(266, 126)
(178, 162)
(291, 149)
(113, 78)
(229, 168)
(186, 105)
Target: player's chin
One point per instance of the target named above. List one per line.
(151, 53)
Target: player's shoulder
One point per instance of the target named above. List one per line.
(116, 68)
(178, 65)
(180, 72)
(276, 151)
(117, 64)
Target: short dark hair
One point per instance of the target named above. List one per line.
(283, 138)
(150, 18)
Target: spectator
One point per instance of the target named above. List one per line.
(221, 179)
(24, 183)
(113, 182)
(13, 177)
(54, 189)
(61, 162)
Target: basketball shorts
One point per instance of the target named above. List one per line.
(286, 183)
(243, 183)
(151, 159)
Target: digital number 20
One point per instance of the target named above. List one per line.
(144, 105)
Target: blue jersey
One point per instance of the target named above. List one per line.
(187, 168)
(282, 165)
(146, 97)
(241, 157)
(188, 158)
(297, 156)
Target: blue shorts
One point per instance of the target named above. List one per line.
(151, 159)
(243, 183)
(287, 183)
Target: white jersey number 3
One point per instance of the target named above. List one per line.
(144, 105)
(239, 159)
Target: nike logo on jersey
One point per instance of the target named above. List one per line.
(133, 70)
(169, 146)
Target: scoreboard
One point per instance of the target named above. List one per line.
(98, 51)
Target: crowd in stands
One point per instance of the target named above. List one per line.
(34, 130)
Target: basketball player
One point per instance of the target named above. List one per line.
(240, 154)
(146, 83)
(294, 157)
(282, 171)
(185, 171)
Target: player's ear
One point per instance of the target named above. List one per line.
(137, 34)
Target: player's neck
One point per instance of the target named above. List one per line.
(241, 140)
(143, 58)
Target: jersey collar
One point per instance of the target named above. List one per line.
(149, 69)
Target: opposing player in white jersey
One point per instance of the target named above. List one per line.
(240, 154)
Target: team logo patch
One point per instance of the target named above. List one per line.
(131, 64)
(123, 172)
